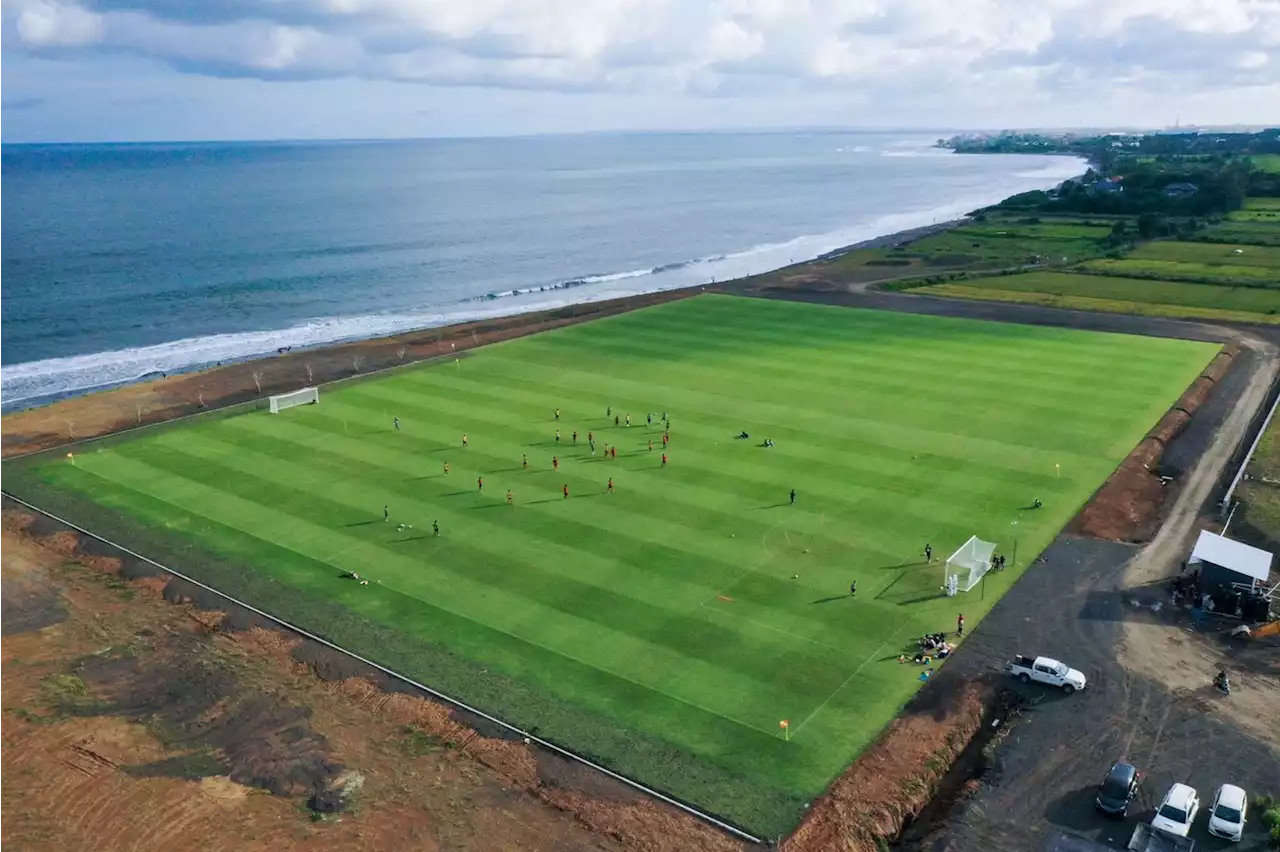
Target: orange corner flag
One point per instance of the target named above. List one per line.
(784, 724)
(786, 729)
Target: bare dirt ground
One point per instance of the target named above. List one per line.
(130, 723)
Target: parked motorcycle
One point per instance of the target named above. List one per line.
(1222, 682)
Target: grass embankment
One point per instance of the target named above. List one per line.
(669, 627)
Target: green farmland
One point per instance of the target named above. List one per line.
(998, 242)
(1207, 254)
(1213, 263)
(1267, 162)
(1258, 210)
(1121, 295)
(1257, 232)
(667, 628)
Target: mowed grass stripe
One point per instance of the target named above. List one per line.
(653, 521)
(751, 355)
(887, 379)
(771, 490)
(710, 423)
(645, 556)
(850, 452)
(628, 563)
(694, 727)
(843, 436)
(809, 531)
(792, 407)
(947, 339)
(640, 634)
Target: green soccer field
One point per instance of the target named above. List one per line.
(667, 628)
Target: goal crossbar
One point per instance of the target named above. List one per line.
(306, 396)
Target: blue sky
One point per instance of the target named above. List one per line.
(89, 70)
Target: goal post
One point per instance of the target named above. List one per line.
(306, 396)
(966, 567)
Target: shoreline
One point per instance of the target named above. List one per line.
(535, 316)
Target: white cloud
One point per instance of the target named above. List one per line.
(42, 24)
(966, 55)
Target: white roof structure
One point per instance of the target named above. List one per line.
(1232, 555)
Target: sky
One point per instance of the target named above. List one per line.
(127, 70)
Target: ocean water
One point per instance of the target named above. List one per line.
(123, 260)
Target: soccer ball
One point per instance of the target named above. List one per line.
(795, 576)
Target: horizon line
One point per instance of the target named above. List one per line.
(762, 131)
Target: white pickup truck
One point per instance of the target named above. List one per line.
(1047, 671)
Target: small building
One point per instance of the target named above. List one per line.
(1223, 562)
(1180, 190)
(1108, 185)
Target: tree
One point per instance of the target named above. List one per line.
(1152, 225)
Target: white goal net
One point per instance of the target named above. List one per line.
(306, 396)
(966, 567)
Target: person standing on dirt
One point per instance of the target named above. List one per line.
(960, 624)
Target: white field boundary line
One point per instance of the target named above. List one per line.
(1231, 490)
(856, 672)
(694, 812)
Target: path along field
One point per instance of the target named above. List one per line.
(669, 627)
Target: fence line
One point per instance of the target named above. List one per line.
(229, 407)
(636, 785)
(1231, 489)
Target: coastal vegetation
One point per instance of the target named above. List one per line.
(1192, 233)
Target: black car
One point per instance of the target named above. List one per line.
(1118, 789)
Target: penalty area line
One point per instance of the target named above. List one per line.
(874, 654)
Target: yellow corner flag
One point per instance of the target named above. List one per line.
(71, 457)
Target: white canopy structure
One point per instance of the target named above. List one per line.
(966, 567)
(1233, 555)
